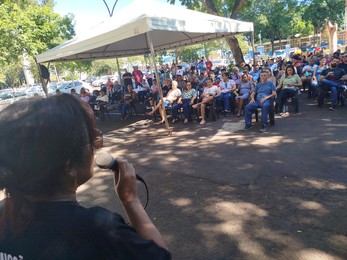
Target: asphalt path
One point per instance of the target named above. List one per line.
(218, 192)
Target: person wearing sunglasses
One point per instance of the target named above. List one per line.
(47, 149)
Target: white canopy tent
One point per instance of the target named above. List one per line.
(128, 32)
(145, 27)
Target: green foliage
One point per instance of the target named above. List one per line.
(319, 10)
(189, 54)
(11, 75)
(28, 26)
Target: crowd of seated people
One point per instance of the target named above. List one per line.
(317, 74)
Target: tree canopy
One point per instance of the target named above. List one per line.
(274, 19)
(29, 26)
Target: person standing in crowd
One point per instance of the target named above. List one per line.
(138, 76)
(149, 76)
(41, 218)
(208, 65)
(127, 78)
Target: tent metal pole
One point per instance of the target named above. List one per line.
(253, 50)
(150, 44)
(119, 74)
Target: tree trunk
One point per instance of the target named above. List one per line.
(235, 49)
(332, 29)
(232, 40)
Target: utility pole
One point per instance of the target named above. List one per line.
(110, 12)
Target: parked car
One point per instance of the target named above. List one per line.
(35, 89)
(9, 96)
(279, 53)
(103, 80)
(260, 56)
(51, 88)
(77, 85)
(247, 58)
(183, 68)
(218, 63)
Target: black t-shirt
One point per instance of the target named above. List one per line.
(165, 90)
(343, 66)
(338, 73)
(127, 81)
(66, 230)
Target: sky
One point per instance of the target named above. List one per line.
(90, 12)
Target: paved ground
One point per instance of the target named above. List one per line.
(220, 193)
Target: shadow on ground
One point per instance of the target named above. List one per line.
(217, 192)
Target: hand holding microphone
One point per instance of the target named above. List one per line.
(124, 176)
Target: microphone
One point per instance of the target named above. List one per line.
(105, 160)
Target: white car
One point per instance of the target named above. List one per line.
(279, 53)
(77, 85)
(35, 90)
(184, 67)
(103, 80)
(9, 96)
(218, 63)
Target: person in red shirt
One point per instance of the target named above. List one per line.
(138, 76)
(209, 65)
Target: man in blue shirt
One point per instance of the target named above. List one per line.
(255, 73)
(265, 91)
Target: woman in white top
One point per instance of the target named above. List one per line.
(210, 92)
(170, 98)
(312, 92)
(227, 86)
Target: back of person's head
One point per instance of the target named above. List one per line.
(41, 142)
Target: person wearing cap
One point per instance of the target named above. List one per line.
(296, 63)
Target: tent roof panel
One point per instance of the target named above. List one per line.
(125, 34)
